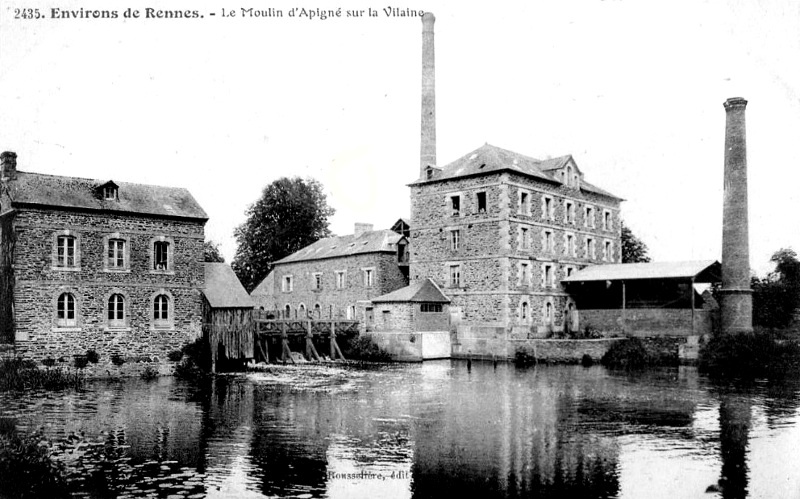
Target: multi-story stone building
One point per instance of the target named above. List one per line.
(497, 231)
(98, 265)
(336, 277)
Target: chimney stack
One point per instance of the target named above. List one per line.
(361, 229)
(8, 165)
(736, 305)
(427, 149)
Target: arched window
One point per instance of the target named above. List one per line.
(548, 313)
(301, 311)
(287, 311)
(65, 310)
(161, 308)
(116, 310)
(317, 311)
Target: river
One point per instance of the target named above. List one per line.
(436, 429)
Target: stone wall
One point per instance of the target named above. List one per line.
(562, 351)
(333, 301)
(649, 322)
(38, 283)
(408, 317)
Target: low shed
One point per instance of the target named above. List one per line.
(227, 314)
(645, 298)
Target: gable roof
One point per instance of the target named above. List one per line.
(266, 286)
(702, 271)
(223, 289)
(493, 159)
(423, 291)
(373, 241)
(37, 189)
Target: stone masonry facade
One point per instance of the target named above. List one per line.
(335, 287)
(138, 338)
(500, 250)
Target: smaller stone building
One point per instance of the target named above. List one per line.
(336, 277)
(412, 323)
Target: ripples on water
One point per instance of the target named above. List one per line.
(424, 430)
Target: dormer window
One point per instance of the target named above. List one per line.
(429, 173)
(109, 191)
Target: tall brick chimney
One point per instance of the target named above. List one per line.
(427, 148)
(8, 165)
(736, 305)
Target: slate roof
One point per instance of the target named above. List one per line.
(493, 159)
(703, 271)
(423, 291)
(83, 194)
(223, 289)
(374, 241)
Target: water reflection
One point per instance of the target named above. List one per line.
(431, 430)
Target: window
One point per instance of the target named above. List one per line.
(161, 255)
(548, 313)
(116, 310)
(116, 253)
(430, 307)
(316, 282)
(65, 310)
(569, 270)
(607, 253)
(455, 206)
(569, 212)
(547, 208)
(569, 247)
(161, 312)
(548, 276)
(607, 225)
(525, 275)
(369, 277)
(455, 239)
(481, 202)
(524, 207)
(287, 284)
(524, 312)
(110, 192)
(351, 312)
(525, 238)
(317, 311)
(547, 243)
(301, 311)
(66, 251)
(429, 173)
(340, 279)
(588, 220)
(589, 248)
(455, 276)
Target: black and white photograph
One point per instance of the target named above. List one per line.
(316, 249)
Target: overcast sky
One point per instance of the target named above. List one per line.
(223, 106)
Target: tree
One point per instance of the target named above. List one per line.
(291, 214)
(776, 297)
(211, 252)
(633, 249)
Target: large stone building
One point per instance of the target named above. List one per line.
(497, 231)
(336, 277)
(98, 265)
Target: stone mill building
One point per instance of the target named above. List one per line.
(98, 265)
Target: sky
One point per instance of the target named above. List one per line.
(225, 105)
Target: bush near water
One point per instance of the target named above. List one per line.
(20, 374)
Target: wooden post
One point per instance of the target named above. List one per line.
(286, 352)
(624, 315)
(311, 352)
(691, 297)
(333, 340)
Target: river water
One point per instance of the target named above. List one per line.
(436, 429)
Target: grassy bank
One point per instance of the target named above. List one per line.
(18, 374)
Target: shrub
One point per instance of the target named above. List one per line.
(627, 354)
(196, 361)
(80, 361)
(117, 359)
(149, 373)
(92, 356)
(753, 354)
(586, 360)
(175, 355)
(26, 469)
(523, 359)
(363, 348)
(49, 362)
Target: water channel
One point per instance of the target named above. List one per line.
(437, 429)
